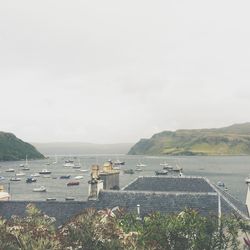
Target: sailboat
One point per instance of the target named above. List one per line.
(26, 164)
(55, 162)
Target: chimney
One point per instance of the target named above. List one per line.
(248, 195)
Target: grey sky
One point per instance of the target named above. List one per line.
(116, 71)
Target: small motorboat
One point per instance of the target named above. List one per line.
(45, 171)
(138, 169)
(20, 174)
(46, 176)
(65, 177)
(30, 180)
(118, 162)
(21, 165)
(128, 171)
(161, 172)
(1, 178)
(15, 179)
(69, 198)
(51, 199)
(84, 170)
(116, 167)
(220, 184)
(35, 175)
(73, 183)
(141, 165)
(26, 169)
(79, 177)
(40, 189)
(168, 167)
(10, 170)
(69, 163)
(164, 164)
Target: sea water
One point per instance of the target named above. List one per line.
(232, 170)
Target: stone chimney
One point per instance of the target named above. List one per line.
(95, 184)
(248, 195)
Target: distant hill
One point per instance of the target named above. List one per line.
(232, 140)
(78, 148)
(12, 148)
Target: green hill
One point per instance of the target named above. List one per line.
(232, 140)
(12, 148)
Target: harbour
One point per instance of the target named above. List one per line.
(231, 170)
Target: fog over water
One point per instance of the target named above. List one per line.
(117, 71)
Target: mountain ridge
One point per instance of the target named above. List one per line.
(13, 148)
(231, 140)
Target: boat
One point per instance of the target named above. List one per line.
(79, 177)
(176, 169)
(84, 170)
(69, 198)
(30, 180)
(45, 171)
(69, 163)
(1, 178)
(26, 169)
(65, 177)
(116, 167)
(168, 167)
(35, 175)
(55, 162)
(20, 174)
(40, 189)
(138, 169)
(15, 179)
(118, 162)
(128, 171)
(46, 176)
(21, 165)
(73, 183)
(140, 165)
(10, 170)
(161, 172)
(164, 164)
(220, 184)
(78, 165)
(51, 199)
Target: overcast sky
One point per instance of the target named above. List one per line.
(117, 71)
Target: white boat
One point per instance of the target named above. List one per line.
(20, 174)
(15, 179)
(46, 176)
(10, 170)
(138, 169)
(116, 167)
(35, 175)
(26, 169)
(21, 165)
(78, 165)
(164, 164)
(1, 178)
(55, 162)
(79, 177)
(40, 189)
(45, 171)
(84, 170)
(141, 165)
(69, 164)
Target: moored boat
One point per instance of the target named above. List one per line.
(51, 199)
(10, 170)
(15, 179)
(45, 171)
(1, 178)
(65, 177)
(69, 198)
(128, 171)
(161, 172)
(73, 183)
(30, 180)
(20, 174)
(40, 189)
(79, 177)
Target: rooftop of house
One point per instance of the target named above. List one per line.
(163, 194)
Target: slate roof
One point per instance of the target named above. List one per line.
(163, 194)
(175, 184)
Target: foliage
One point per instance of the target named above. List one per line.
(116, 229)
(12, 148)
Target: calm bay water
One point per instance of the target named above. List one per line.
(232, 170)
